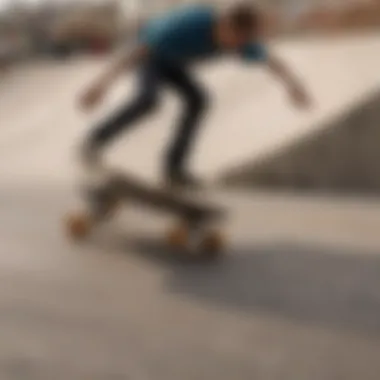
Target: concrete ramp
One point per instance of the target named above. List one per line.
(342, 155)
(297, 296)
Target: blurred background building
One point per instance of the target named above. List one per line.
(62, 27)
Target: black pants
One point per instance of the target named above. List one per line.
(153, 76)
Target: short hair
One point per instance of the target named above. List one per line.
(244, 17)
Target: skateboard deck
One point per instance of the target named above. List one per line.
(197, 219)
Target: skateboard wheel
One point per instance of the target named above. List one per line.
(212, 245)
(178, 237)
(78, 226)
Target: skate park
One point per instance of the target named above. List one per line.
(297, 294)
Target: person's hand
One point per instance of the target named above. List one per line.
(300, 97)
(92, 97)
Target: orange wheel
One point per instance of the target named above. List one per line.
(78, 226)
(178, 237)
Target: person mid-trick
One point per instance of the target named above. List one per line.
(166, 49)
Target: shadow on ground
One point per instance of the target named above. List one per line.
(318, 286)
(326, 288)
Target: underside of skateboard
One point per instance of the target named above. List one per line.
(197, 234)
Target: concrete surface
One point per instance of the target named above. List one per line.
(341, 74)
(297, 296)
(342, 157)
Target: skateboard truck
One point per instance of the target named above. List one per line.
(195, 218)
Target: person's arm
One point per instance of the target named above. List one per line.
(257, 52)
(296, 89)
(94, 94)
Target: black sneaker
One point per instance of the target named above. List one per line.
(183, 180)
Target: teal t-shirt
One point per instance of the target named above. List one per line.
(185, 35)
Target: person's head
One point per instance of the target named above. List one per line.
(239, 25)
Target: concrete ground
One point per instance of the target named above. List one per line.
(297, 295)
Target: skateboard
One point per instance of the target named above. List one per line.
(196, 228)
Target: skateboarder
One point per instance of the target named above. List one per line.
(166, 49)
